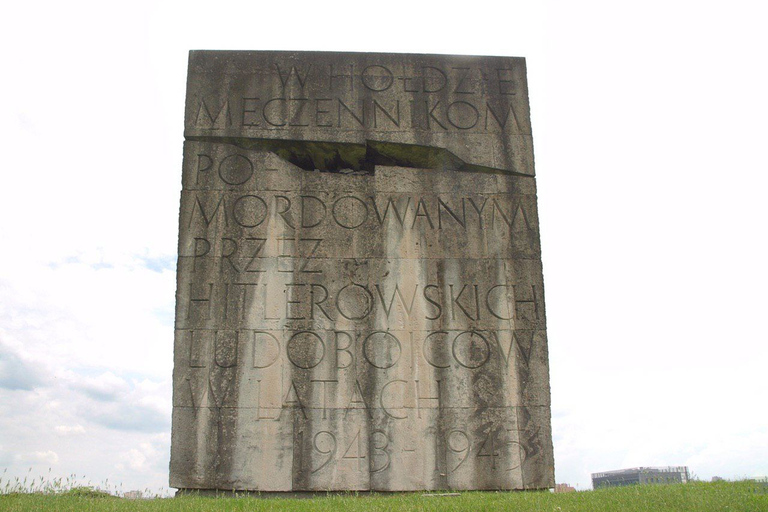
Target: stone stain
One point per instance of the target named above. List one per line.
(424, 395)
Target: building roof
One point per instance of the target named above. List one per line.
(644, 469)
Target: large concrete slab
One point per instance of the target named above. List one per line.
(360, 301)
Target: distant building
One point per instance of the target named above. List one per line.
(641, 476)
(564, 488)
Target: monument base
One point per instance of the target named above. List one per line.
(222, 493)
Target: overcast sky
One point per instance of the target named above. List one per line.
(650, 133)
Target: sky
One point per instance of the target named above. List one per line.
(649, 126)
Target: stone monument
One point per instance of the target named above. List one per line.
(360, 303)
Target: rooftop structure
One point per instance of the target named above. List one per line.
(641, 476)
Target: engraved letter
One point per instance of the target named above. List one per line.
(387, 410)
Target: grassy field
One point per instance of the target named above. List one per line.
(699, 497)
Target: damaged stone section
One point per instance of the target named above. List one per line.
(474, 108)
(376, 326)
(347, 158)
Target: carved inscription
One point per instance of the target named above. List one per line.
(334, 113)
(324, 211)
(318, 112)
(272, 308)
(480, 99)
(357, 332)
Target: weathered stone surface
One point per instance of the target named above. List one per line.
(380, 326)
(465, 111)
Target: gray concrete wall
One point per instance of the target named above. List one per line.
(380, 325)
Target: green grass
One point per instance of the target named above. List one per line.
(699, 497)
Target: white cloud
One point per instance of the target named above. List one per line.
(134, 459)
(139, 458)
(6, 457)
(45, 457)
(106, 387)
(69, 429)
(17, 372)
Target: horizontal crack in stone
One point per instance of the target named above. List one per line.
(353, 158)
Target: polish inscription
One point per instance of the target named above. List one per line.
(311, 95)
(342, 332)
(475, 109)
